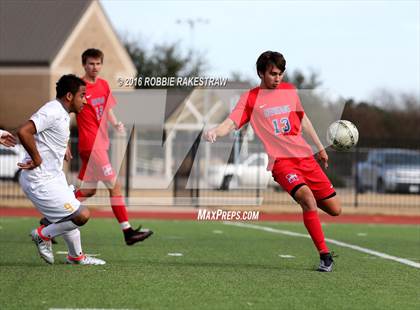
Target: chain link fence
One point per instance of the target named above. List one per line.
(234, 174)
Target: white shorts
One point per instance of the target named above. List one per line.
(53, 198)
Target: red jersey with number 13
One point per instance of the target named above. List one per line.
(92, 121)
(276, 117)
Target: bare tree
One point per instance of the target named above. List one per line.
(164, 60)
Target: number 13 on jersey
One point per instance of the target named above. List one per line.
(281, 126)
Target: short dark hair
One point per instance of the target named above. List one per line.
(270, 58)
(68, 83)
(92, 52)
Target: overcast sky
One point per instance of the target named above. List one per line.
(357, 47)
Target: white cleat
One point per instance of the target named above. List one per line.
(84, 260)
(44, 247)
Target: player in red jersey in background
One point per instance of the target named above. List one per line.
(277, 117)
(92, 124)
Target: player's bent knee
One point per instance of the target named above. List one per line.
(332, 207)
(115, 192)
(335, 212)
(338, 211)
(336, 208)
(114, 188)
(89, 192)
(82, 217)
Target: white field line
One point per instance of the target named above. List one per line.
(175, 254)
(339, 243)
(286, 256)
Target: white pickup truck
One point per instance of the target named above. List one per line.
(250, 173)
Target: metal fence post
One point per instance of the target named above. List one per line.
(128, 164)
(197, 175)
(356, 176)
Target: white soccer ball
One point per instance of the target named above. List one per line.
(342, 135)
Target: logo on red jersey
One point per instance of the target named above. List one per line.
(107, 170)
(285, 109)
(292, 177)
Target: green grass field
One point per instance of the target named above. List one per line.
(222, 267)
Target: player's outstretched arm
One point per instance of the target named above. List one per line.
(26, 136)
(7, 139)
(224, 128)
(309, 129)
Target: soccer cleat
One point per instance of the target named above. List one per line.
(84, 260)
(326, 263)
(133, 236)
(44, 247)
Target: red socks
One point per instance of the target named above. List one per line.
(117, 205)
(120, 211)
(313, 226)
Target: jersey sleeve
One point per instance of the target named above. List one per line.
(241, 114)
(44, 118)
(299, 108)
(110, 100)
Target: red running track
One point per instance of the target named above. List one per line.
(192, 215)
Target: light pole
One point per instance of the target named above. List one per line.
(192, 23)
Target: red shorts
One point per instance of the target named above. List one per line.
(292, 173)
(96, 166)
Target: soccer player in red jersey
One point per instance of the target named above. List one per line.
(277, 117)
(92, 123)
